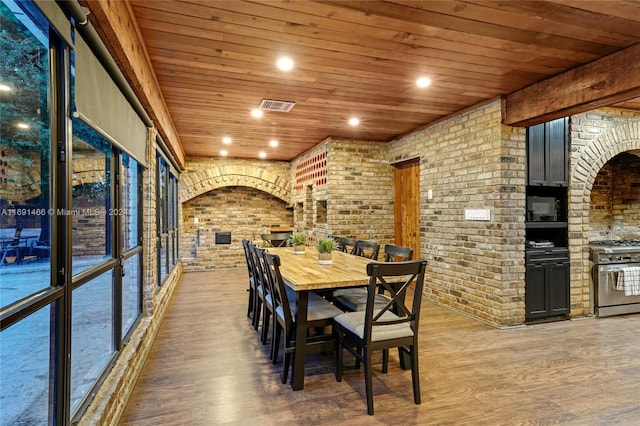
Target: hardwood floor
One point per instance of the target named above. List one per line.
(207, 367)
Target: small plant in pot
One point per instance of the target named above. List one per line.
(325, 246)
(298, 240)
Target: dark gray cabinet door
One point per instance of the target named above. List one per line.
(559, 294)
(548, 153)
(536, 155)
(547, 289)
(536, 292)
(557, 135)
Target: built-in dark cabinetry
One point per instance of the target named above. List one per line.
(547, 287)
(547, 153)
(547, 258)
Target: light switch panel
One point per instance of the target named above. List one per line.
(477, 214)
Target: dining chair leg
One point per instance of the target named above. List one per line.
(359, 349)
(275, 342)
(368, 378)
(288, 351)
(250, 303)
(256, 313)
(266, 315)
(415, 374)
(385, 360)
(339, 356)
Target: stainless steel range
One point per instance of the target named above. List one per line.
(609, 257)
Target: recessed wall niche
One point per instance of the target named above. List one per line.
(321, 211)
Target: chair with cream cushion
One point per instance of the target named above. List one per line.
(355, 299)
(320, 314)
(379, 328)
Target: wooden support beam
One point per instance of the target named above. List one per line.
(611, 79)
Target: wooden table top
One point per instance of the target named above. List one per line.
(303, 272)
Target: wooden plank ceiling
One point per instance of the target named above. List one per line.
(216, 60)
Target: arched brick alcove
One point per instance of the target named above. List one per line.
(202, 181)
(596, 138)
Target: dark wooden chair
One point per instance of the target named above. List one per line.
(261, 291)
(252, 283)
(355, 299)
(265, 293)
(394, 253)
(380, 328)
(276, 239)
(347, 245)
(368, 249)
(320, 314)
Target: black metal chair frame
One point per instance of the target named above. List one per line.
(358, 332)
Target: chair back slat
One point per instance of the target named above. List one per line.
(394, 253)
(368, 249)
(258, 266)
(272, 264)
(276, 239)
(7, 233)
(346, 245)
(248, 257)
(410, 273)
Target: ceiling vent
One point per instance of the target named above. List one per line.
(279, 106)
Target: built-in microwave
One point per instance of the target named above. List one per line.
(543, 209)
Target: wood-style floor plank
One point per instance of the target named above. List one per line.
(207, 367)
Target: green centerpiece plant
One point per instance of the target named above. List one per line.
(325, 246)
(298, 241)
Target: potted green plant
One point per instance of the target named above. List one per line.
(325, 246)
(298, 240)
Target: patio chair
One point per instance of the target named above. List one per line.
(8, 244)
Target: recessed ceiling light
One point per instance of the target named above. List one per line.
(224, 153)
(262, 154)
(256, 113)
(273, 143)
(285, 64)
(22, 125)
(423, 82)
(354, 121)
(4, 88)
(226, 140)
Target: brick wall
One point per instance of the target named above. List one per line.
(604, 199)
(229, 195)
(472, 161)
(240, 210)
(615, 200)
(358, 199)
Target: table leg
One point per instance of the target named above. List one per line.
(297, 381)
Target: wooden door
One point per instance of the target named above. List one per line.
(407, 222)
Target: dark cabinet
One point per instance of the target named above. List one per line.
(547, 292)
(548, 153)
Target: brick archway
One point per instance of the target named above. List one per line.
(624, 137)
(203, 181)
(588, 162)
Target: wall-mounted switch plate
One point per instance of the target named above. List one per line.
(477, 214)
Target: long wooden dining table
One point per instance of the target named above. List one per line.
(303, 274)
